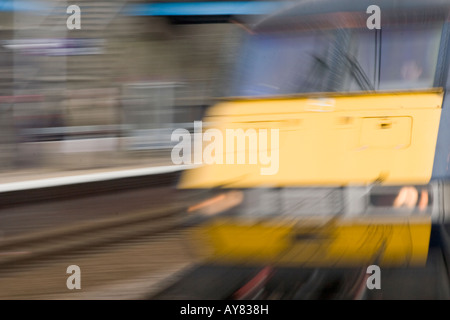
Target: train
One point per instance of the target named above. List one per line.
(362, 123)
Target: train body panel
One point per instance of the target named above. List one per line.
(309, 242)
(332, 140)
(318, 227)
(441, 165)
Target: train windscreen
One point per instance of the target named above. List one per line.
(397, 57)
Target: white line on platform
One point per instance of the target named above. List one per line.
(91, 177)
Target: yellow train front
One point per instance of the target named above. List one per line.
(334, 148)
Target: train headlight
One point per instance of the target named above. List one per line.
(401, 200)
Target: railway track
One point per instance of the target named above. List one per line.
(255, 283)
(88, 236)
(221, 282)
(125, 270)
(125, 234)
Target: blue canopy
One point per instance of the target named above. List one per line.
(22, 5)
(204, 8)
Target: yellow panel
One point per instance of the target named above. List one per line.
(336, 142)
(234, 238)
(345, 243)
(386, 132)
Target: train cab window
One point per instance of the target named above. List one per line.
(409, 56)
(397, 57)
(394, 58)
(364, 53)
(273, 64)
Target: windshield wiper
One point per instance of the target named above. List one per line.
(320, 68)
(317, 75)
(358, 73)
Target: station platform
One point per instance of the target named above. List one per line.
(46, 177)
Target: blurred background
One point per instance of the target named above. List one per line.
(110, 93)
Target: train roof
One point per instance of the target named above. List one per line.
(351, 13)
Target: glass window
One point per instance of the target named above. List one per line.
(274, 64)
(397, 57)
(363, 51)
(409, 56)
(406, 58)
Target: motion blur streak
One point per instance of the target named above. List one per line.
(219, 203)
(362, 123)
